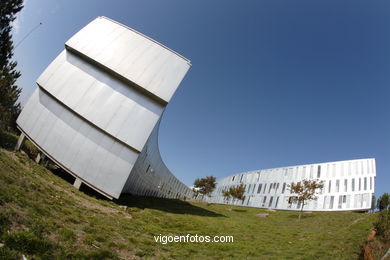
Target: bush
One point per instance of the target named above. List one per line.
(8, 140)
(30, 149)
(383, 225)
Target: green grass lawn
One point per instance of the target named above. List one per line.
(43, 216)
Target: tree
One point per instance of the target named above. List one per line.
(383, 201)
(235, 192)
(306, 190)
(204, 186)
(9, 92)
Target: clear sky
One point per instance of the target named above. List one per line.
(273, 83)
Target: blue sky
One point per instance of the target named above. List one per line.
(273, 83)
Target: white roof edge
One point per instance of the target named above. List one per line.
(147, 37)
(235, 174)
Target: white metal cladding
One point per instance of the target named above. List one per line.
(348, 185)
(97, 103)
(151, 177)
(147, 63)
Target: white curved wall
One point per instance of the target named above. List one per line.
(348, 185)
(97, 104)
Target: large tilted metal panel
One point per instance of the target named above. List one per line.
(99, 100)
(75, 144)
(102, 99)
(148, 64)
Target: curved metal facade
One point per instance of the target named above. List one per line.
(348, 185)
(97, 107)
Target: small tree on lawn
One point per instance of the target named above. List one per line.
(235, 192)
(306, 190)
(226, 195)
(204, 186)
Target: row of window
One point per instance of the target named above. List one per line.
(342, 185)
(329, 202)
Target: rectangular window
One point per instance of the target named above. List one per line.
(270, 202)
(353, 184)
(330, 186)
(325, 201)
(345, 185)
(276, 203)
(259, 188)
(370, 183)
(337, 185)
(365, 183)
(311, 172)
(284, 187)
(270, 187)
(254, 186)
(265, 187)
(344, 198)
(264, 200)
(331, 202)
(360, 184)
(340, 201)
(233, 178)
(319, 171)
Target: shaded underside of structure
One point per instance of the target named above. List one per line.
(348, 185)
(97, 109)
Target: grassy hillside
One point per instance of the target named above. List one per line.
(42, 215)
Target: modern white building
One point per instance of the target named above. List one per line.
(348, 185)
(97, 107)
(96, 113)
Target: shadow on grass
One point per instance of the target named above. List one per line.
(239, 210)
(303, 216)
(167, 205)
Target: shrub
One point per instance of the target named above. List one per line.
(30, 149)
(8, 140)
(383, 225)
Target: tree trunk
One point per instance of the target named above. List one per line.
(300, 213)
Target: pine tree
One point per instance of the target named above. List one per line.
(9, 91)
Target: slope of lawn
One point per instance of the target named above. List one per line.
(43, 217)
